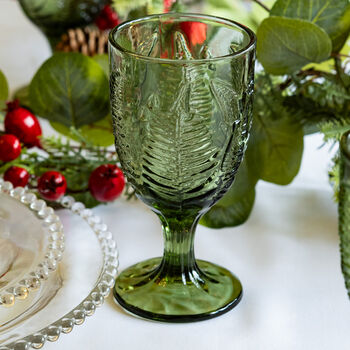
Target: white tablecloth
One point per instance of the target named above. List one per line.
(286, 255)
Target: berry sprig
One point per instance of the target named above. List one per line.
(56, 167)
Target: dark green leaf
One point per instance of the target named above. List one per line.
(285, 45)
(71, 89)
(235, 207)
(4, 89)
(332, 16)
(99, 133)
(229, 215)
(277, 148)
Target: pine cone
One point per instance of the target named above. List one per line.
(88, 41)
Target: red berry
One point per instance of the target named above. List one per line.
(10, 147)
(22, 123)
(196, 32)
(17, 176)
(106, 182)
(52, 185)
(107, 19)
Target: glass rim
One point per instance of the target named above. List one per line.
(233, 24)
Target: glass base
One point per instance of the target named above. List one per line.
(149, 290)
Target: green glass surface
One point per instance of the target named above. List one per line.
(181, 96)
(55, 17)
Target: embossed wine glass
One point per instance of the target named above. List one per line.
(181, 96)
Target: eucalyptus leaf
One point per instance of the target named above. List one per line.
(230, 215)
(235, 207)
(277, 148)
(137, 7)
(332, 16)
(71, 89)
(342, 30)
(103, 61)
(22, 94)
(99, 133)
(4, 91)
(285, 44)
(236, 10)
(138, 12)
(4, 88)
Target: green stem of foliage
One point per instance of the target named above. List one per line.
(262, 5)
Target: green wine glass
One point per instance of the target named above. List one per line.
(181, 95)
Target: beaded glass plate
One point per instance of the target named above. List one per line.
(83, 280)
(31, 244)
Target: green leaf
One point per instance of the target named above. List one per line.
(138, 12)
(236, 10)
(103, 61)
(235, 207)
(71, 89)
(137, 8)
(99, 133)
(22, 94)
(86, 198)
(341, 31)
(333, 16)
(285, 45)
(4, 91)
(277, 148)
(4, 88)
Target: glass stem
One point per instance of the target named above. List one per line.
(178, 260)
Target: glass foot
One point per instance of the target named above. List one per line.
(149, 290)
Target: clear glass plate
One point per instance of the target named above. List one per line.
(31, 244)
(84, 278)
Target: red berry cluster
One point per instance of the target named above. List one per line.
(107, 19)
(106, 182)
(21, 126)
